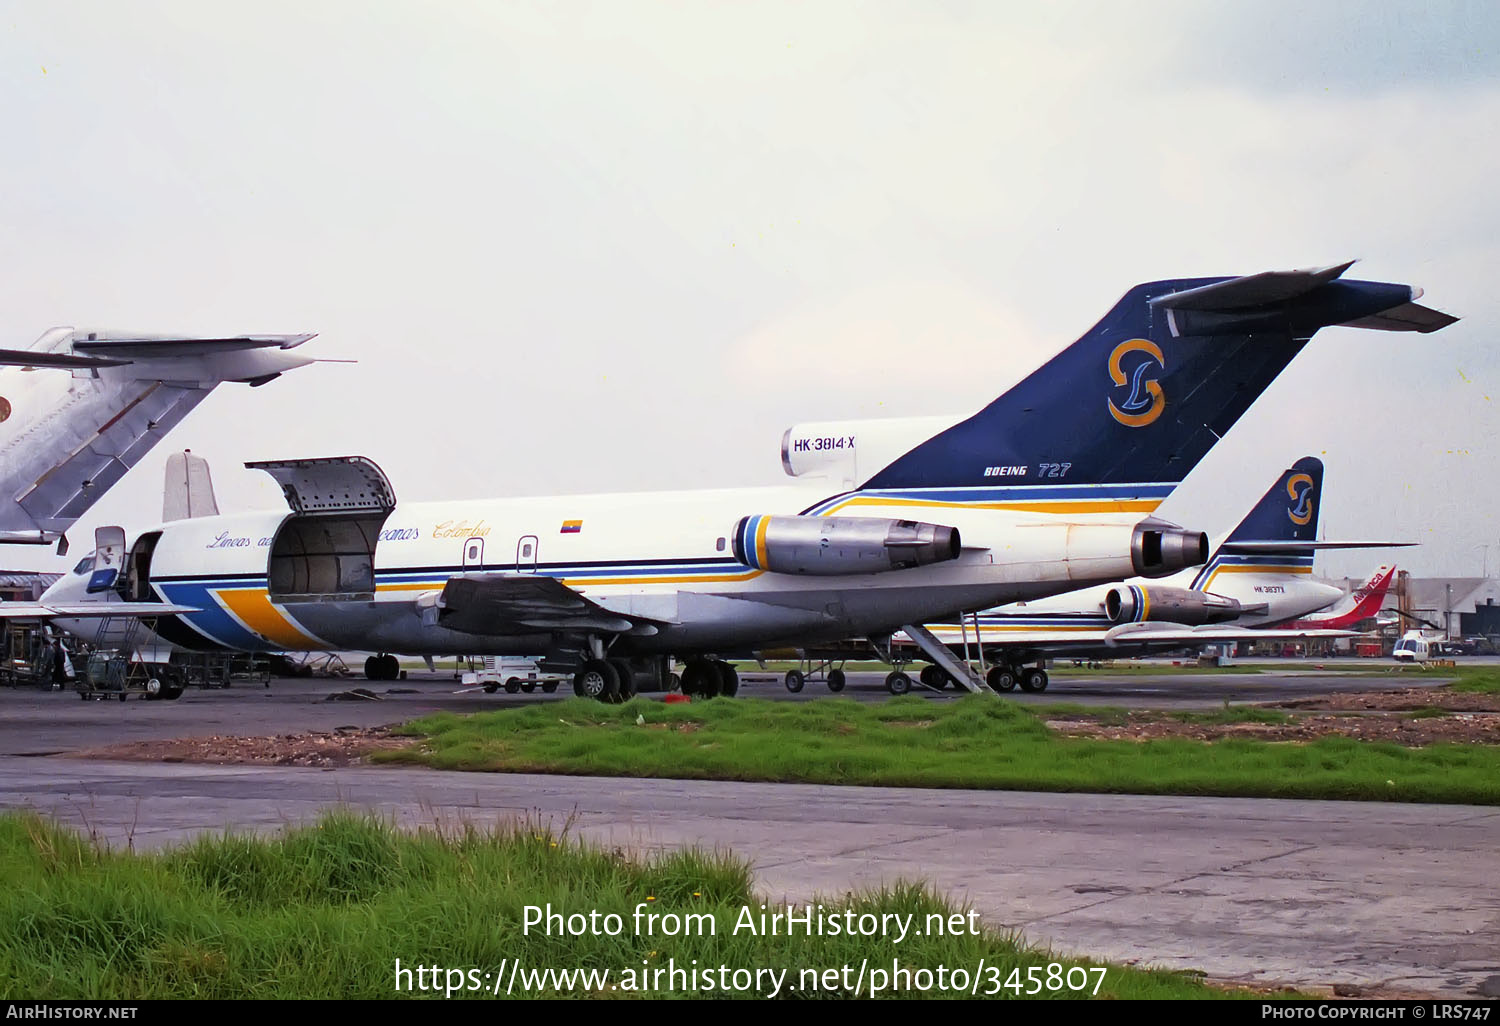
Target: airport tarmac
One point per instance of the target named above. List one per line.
(35, 722)
(1265, 891)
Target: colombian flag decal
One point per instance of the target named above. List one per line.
(571, 527)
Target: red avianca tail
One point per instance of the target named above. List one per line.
(1366, 601)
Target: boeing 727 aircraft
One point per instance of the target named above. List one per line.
(78, 410)
(1048, 488)
(1259, 577)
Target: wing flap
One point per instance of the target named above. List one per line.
(506, 603)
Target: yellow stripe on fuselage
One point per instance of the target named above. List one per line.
(1248, 569)
(582, 582)
(1036, 628)
(254, 609)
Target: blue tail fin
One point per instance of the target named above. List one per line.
(1289, 511)
(1132, 406)
(1287, 514)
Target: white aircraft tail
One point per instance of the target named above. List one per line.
(189, 488)
(78, 410)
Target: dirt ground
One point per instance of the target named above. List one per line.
(345, 746)
(1440, 715)
(1366, 716)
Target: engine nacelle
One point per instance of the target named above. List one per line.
(1158, 548)
(833, 546)
(1129, 603)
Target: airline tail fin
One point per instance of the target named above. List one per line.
(1132, 406)
(1288, 512)
(57, 457)
(1364, 602)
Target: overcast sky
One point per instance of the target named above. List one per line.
(621, 246)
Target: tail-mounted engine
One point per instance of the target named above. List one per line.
(1136, 604)
(832, 546)
(1158, 548)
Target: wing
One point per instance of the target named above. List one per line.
(89, 610)
(1167, 633)
(505, 603)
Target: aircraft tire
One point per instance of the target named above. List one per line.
(392, 667)
(794, 681)
(897, 683)
(1001, 678)
(700, 679)
(627, 678)
(836, 680)
(172, 692)
(597, 679)
(1034, 680)
(373, 668)
(933, 676)
(729, 679)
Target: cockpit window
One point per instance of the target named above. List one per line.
(85, 564)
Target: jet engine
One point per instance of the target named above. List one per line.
(1128, 603)
(1158, 548)
(833, 546)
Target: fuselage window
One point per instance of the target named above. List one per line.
(85, 564)
(473, 551)
(526, 551)
(719, 545)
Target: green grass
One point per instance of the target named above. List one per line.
(1233, 714)
(974, 742)
(1483, 680)
(326, 911)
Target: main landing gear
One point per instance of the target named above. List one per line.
(382, 667)
(710, 678)
(1005, 678)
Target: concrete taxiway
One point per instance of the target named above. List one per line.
(1268, 891)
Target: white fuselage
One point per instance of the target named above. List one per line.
(666, 557)
(1284, 587)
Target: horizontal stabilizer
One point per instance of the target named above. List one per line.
(29, 538)
(1407, 317)
(61, 361)
(1265, 289)
(150, 348)
(89, 610)
(1264, 547)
